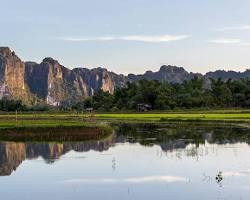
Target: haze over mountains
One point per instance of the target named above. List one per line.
(54, 84)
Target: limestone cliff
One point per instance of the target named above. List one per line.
(100, 78)
(12, 70)
(57, 84)
(54, 84)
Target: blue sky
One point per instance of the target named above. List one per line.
(130, 35)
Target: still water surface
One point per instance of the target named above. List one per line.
(142, 162)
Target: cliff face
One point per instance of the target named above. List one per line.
(55, 84)
(12, 70)
(100, 78)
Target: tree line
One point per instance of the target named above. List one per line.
(11, 105)
(195, 93)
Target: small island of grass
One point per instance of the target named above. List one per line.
(78, 127)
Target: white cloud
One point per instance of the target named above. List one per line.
(163, 38)
(133, 180)
(231, 173)
(226, 41)
(245, 44)
(234, 28)
(235, 173)
(167, 179)
(238, 42)
(138, 38)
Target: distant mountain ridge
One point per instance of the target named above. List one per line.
(54, 84)
(169, 73)
(225, 75)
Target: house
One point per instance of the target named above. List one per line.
(144, 107)
(89, 110)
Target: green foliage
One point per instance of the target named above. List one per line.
(11, 105)
(79, 106)
(195, 93)
(102, 101)
(40, 107)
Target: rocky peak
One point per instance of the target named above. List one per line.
(46, 80)
(171, 69)
(167, 73)
(148, 72)
(12, 69)
(30, 63)
(5, 52)
(51, 61)
(97, 78)
(53, 83)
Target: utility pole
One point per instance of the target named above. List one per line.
(16, 115)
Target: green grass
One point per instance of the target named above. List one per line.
(41, 123)
(45, 123)
(237, 117)
(52, 130)
(9, 120)
(62, 126)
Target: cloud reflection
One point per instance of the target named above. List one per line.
(137, 38)
(239, 173)
(132, 180)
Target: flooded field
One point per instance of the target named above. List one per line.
(140, 161)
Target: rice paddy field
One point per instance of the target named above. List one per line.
(8, 120)
(237, 117)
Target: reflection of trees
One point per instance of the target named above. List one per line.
(175, 141)
(182, 139)
(171, 137)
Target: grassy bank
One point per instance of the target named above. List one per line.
(45, 123)
(54, 134)
(77, 127)
(73, 119)
(69, 120)
(50, 129)
(221, 117)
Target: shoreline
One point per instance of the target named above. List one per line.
(81, 127)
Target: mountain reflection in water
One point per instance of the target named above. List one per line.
(168, 138)
(12, 154)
